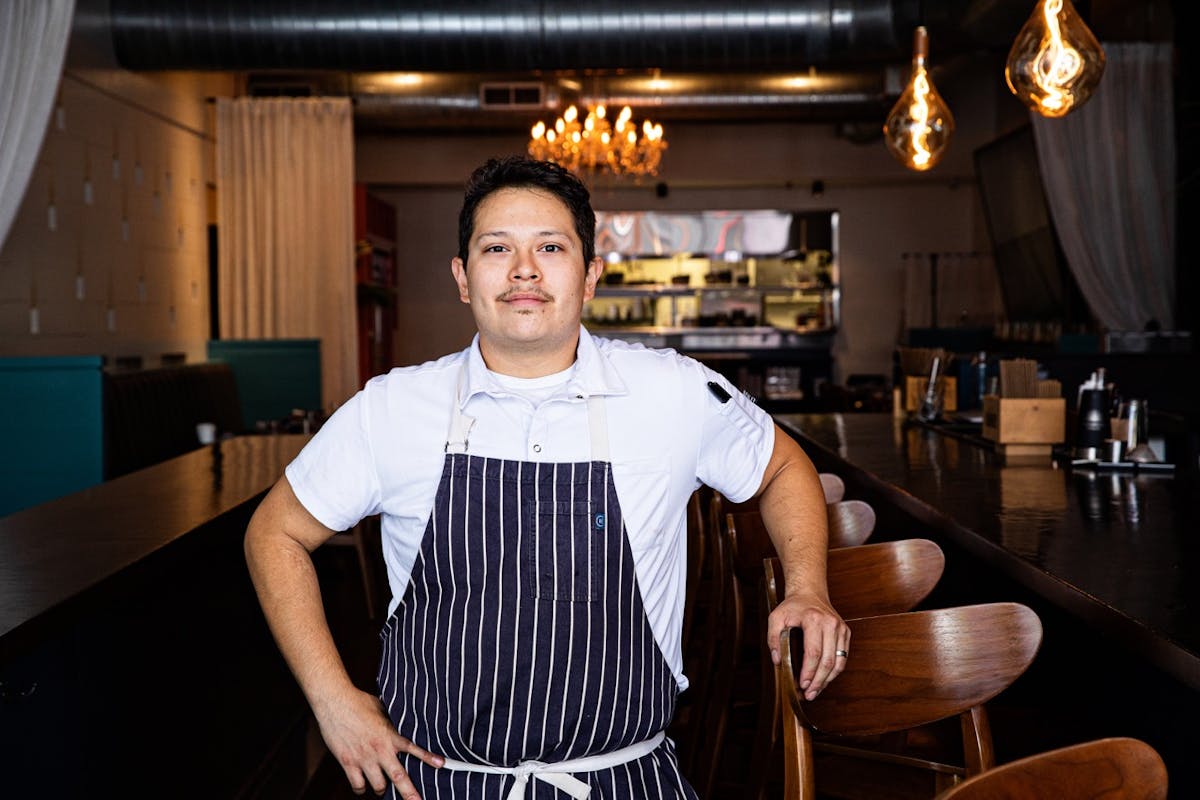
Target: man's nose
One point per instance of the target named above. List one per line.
(525, 267)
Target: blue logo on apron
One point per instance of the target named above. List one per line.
(599, 522)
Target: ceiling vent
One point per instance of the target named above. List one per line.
(512, 95)
(269, 86)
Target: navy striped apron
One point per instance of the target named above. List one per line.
(521, 651)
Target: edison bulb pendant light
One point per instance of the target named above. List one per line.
(919, 126)
(1055, 62)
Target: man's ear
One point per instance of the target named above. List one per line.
(459, 270)
(594, 270)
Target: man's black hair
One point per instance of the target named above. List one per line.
(521, 172)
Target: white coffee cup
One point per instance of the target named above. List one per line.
(206, 432)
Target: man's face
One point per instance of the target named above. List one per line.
(526, 281)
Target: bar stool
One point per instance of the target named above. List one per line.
(851, 522)
(863, 581)
(904, 671)
(700, 731)
(885, 578)
(833, 487)
(1115, 769)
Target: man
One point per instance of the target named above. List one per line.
(532, 490)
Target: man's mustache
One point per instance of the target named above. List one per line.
(540, 294)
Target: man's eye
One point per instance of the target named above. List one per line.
(552, 248)
(495, 248)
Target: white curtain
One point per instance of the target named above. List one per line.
(285, 213)
(33, 43)
(1109, 174)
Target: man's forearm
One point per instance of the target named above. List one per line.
(285, 579)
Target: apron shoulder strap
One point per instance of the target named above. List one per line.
(598, 427)
(460, 424)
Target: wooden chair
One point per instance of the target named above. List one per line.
(697, 546)
(864, 581)
(882, 579)
(736, 605)
(1114, 769)
(904, 671)
(833, 486)
(722, 644)
(851, 522)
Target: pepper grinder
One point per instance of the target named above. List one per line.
(1094, 426)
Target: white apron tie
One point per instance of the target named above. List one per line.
(557, 775)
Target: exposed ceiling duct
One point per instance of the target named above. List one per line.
(407, 100)
(508, 35)
(805, 59)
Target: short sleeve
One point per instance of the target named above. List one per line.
(736, 443)
(334, 476)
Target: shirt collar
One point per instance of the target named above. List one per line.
(594, 374)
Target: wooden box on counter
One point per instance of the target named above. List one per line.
(1024, 426)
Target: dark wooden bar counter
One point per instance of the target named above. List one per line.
(1115, 549)
(52, 555)
(134, 659)
(1110, 561)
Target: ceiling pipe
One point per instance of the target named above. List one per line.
(463, 90)
(442, 99)
(507, 35)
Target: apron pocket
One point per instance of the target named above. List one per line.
(565, 551)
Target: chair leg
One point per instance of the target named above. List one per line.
(943, 781)
(977, 740)
(368, 552)
(766, 733)
(799, 782)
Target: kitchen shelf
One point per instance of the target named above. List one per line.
(672, 290)
(638, 304)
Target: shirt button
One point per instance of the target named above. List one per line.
(537, 448)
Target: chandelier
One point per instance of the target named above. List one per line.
(595, 145)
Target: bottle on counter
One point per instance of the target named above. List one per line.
(981, 375)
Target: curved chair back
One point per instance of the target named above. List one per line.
(749, 543)
(720, 637)
(1115, 769)
(697, 547)
(738, 542)
(833, 486)
(883, 578)
(851, 523)
(872, 579)
(907, 670)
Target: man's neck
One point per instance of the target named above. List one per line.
(532, 362)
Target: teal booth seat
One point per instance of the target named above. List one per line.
(52, 428)
(274, 376)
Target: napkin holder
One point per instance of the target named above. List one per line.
(1024, 427)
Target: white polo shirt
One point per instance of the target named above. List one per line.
(382, 452)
